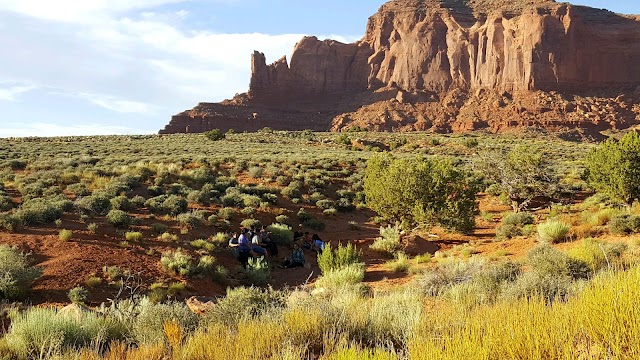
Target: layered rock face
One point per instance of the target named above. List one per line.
(449, 65)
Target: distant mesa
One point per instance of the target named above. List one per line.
(448, 66)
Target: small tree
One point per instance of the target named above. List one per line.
(215, 135)
(421, 191)
(522, 174)
(614, 168)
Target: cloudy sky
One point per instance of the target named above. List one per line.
(81, 67)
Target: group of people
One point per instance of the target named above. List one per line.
(253, 243)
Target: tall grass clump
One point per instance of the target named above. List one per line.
(42, 333)
(149, 324)
(552, 275)
(338, 278)
(597, 254)
(342, 256)
(257, 271)
(602, 321)
(389, 241)
(553, 231)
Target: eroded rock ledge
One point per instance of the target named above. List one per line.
(448, 65)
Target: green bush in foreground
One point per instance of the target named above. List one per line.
(421, 191)
(614, 167)
(16, 273)
(40, 333)
(341, 257)
(388, 242)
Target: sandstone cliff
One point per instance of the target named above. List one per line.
(448, 65)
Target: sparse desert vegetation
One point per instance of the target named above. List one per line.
(424, 255)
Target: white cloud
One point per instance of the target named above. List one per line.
(125, 56)
(79, 11)
(118, 105)
(11, 92)
(48, 129)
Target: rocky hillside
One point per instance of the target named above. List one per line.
(448, 65)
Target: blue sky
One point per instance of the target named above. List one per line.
(81, 67)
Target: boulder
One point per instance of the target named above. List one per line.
(200, 304)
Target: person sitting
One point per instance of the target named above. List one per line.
(271, 246)
(296, 259)
(317, 245)
(307, 242)
(233, 242)
(298, 234)
(256, 244)
(244, 248)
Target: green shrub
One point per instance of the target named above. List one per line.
(553, 231)
(281, 234)
(177, 262)
(341, 257)
(547, 261)
(215, 135)
(121, 203)
(65, 235)
(421, 191)
(603, 216)
(148, 327)
(401, 263)
(251, 223)
(282, 219)
(203, 244)
(9, 222)
(449, 273)
(78, 295)
(612, 167)
(337, 278)
(133, 236)
(256, 172)
(189, 220)
(112, 272)
(119, 219)
(303, 215)
(389, 241)
(314, 224)
(166, 236)
(598, 254)
(17, 273)
(39, 333)
(5, 203)
(40, 211)
(97, 204)
(206, 265)
(325, 204)
(174, 205)
(257, 271)
(255, 303)
(92, 227)
(624, 224)
(330, 212)
(227, 213)
(519, 219)
(93, 281)
(291, 192)
(159, 228)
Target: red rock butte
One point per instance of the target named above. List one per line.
(448, 66)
